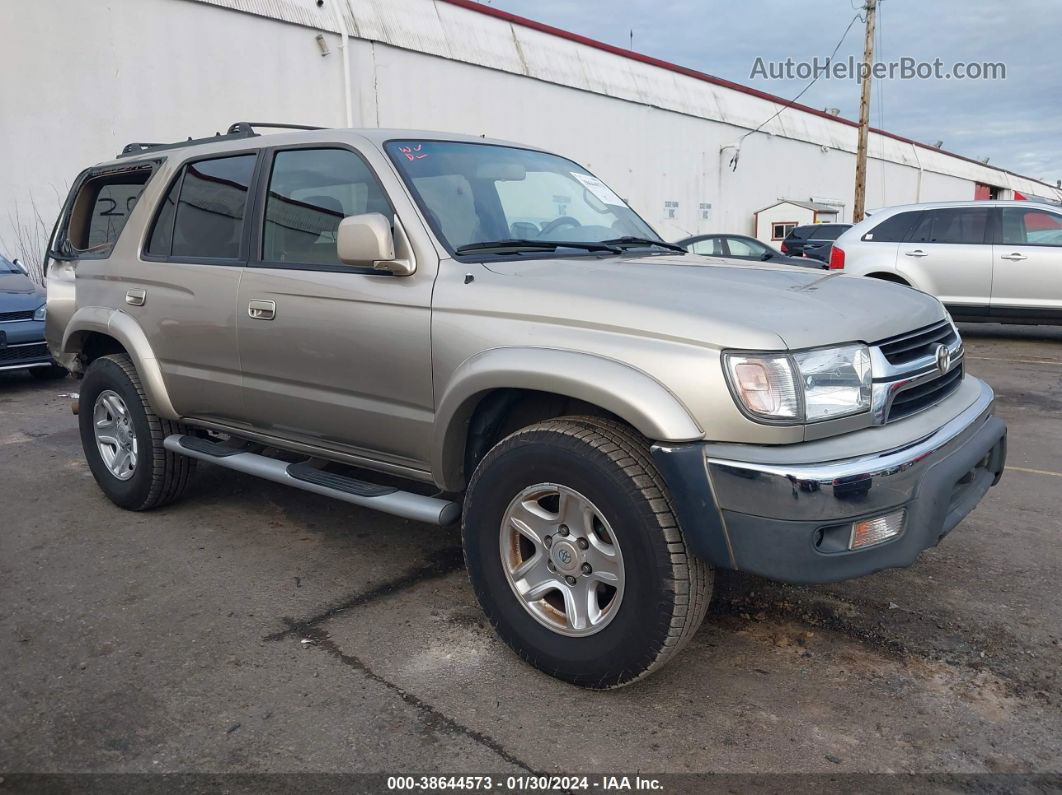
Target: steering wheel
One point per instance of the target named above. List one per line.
(556, 223)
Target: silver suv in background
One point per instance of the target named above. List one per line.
(989, 261)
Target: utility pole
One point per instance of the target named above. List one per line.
(859, 208)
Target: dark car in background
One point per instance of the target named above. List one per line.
(813, 240)
(742, 247)
(22, 313)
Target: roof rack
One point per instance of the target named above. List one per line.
(249, 126)
(237, 130)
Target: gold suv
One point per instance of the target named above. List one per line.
(447, 328)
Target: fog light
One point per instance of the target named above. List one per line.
(868, 532)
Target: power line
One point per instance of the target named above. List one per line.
(788, 105)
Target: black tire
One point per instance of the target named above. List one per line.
(49, 373)
(160, 476)
(666, 593)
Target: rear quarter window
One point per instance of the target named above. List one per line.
(100, 210)
(893, 229)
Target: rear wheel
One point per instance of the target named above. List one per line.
(575, 554)
(122, 438)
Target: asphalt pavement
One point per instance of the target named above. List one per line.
(255, 628)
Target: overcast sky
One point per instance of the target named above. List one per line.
(1015, 121)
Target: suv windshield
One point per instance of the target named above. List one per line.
(516, 199)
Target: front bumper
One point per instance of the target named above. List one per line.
(791, 521)
(22, 345)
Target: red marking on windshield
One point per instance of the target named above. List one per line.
(413, 152)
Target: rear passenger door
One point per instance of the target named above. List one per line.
(332, 354)
(948, 254)
(1027, 275)
(184, 293)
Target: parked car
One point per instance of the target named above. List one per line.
(813, 241)
(742, 247)
(610, 419)
(22, 313)
(990, 261)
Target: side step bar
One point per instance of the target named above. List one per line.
(419, 508)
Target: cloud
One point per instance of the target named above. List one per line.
(1013, 121)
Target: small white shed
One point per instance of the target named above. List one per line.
(774, 222)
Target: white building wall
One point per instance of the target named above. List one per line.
(92, 77)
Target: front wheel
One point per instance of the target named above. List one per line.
(575, 555)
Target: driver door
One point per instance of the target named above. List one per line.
(331, 354)
(1027, 265)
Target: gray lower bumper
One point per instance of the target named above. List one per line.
(784, 521)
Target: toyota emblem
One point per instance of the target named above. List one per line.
(565, 556)
(943, 358)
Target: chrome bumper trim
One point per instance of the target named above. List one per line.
(841, 489)
(25, 366)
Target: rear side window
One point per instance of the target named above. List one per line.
(202, 215)
(893, 229)
(954, 225)
(712, 247)
(100, 210)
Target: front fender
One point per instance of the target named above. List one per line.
(117, 324)
(625, 391)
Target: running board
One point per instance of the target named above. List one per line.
(408, 505)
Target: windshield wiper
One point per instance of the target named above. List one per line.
(630, 241)
(521, 244)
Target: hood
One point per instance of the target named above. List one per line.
(18, 293)
(719, 302)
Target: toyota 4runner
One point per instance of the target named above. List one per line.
(450, 328)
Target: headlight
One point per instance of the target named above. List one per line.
(41, 313)
(807, 386)
(837, 381)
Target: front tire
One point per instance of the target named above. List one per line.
(122, 437)
(576, 556)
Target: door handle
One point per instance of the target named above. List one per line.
(1015, 257)
(135, 296)
(262, 310)
(917, 253)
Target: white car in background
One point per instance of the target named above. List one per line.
(988, 261)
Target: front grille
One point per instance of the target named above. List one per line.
(22, 353)
(904, 348)
(924, 395)
(5, 316)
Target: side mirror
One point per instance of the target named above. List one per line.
(18, 264)
(366, 241)
(766, 255)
